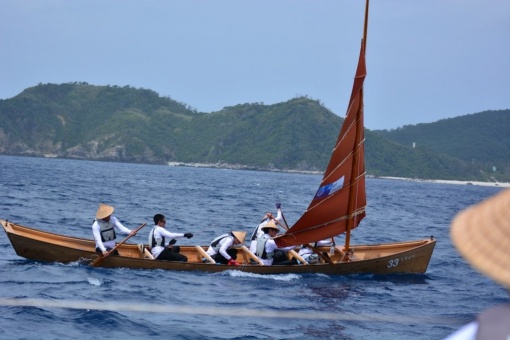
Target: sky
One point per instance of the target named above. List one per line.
(426, 60)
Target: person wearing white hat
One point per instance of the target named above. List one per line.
(267, 250)
(481, 234)
(104, 227)
(222, 248)
(258, 231)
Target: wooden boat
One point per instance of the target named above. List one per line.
(338, 207)
(404, 257)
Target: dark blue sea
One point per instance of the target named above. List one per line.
(55, 301)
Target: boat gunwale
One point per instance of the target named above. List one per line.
(135, 262)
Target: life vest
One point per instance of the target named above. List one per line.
(215, 244)
(160, 241)
(107, 231)
(261, 248)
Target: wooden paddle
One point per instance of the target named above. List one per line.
(316, 251)
(100, 259)
(298, 257)
(284, 220)
(251, 255)
(284, 226)
(204, 254)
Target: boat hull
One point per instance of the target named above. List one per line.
(389, 258)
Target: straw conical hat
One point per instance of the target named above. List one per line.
(270, 225)
(239, 235)
(104, 211)
(481, 234)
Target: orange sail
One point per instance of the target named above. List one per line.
(339, 204)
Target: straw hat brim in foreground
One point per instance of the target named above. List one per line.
(481, 234)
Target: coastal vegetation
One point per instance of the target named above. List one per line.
(125, 124)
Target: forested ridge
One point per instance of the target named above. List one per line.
(125, 124)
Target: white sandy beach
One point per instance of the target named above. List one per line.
(241, 167)
(487, 184)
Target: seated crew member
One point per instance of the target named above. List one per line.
(222, 248)
(157, 241)
(104, 227)
(267, 250)
(258, 231)
(309, 256)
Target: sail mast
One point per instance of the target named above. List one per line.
(353, 191)
(339, 203)
(365, 28)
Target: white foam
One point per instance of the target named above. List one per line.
(275, 277)
(94, 281)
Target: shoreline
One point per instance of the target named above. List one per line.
(238, 167)
(440, 181)
(242, 167)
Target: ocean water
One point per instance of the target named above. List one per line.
(53, 301)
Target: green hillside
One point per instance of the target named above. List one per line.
(480, 138)
(124, 124)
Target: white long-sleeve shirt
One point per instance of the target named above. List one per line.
(159, 233)
(306, 250)
(258, 232)
(96, 231)
(270, 248)
(224, 244)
